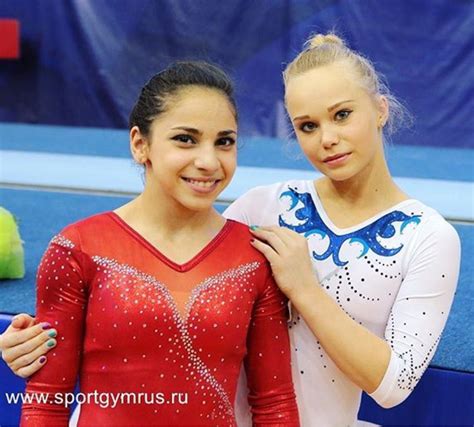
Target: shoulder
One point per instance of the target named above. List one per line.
(240, 236)
(433, 238)
(432, 223)
(72, 235)
(274, 191)
(249, 207)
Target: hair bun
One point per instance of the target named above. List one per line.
(320, 39)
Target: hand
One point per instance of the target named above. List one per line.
(24, 344)
(288, 255)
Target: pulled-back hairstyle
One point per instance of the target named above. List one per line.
(162, 87)
(326, 49)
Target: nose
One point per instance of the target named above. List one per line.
(329, 136)
(206, 158)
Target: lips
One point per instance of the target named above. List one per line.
(337, 159)
(201, 182)
(202, 185)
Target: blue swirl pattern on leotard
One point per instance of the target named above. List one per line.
(366, 237)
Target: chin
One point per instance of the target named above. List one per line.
(340, 175)
(197, 204)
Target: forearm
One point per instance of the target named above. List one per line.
(358, 353)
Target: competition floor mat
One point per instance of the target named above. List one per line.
(52, 176)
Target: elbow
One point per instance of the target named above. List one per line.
(389, 392)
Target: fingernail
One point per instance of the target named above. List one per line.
(51, 343)
(45, 325)
(252, 240)
(253, 227)
(42, 359)
(52, 333)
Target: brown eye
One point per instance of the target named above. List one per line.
(226, 142)
(185, 139)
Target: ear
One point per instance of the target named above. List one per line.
(139, 145)
(384, 111)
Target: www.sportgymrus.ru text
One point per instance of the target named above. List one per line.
(104, 400)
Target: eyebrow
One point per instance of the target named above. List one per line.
(197, 132)
(332, 107)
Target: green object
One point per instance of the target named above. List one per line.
(12, 265)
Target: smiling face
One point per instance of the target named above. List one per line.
(190, 151)
(337, 123)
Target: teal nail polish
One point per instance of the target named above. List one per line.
(254, 227)
(52, 333)
(50, 343)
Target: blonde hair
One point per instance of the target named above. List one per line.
(326, 49)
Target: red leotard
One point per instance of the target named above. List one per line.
(131, 320)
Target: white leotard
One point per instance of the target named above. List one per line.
(395, 274)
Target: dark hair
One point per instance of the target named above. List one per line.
(157, 92)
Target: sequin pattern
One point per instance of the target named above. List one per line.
(134, 323)
(310, 223)
(399, 266)
(237, 278)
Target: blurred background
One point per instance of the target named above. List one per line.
(82, 62)
(71, 70)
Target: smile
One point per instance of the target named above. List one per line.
(202, 185)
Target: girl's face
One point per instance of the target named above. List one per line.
(190, 150)
(337, 124)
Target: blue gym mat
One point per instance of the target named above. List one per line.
(67, 159)
(41, 214)
(97, 160)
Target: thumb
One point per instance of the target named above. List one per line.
(22, 321)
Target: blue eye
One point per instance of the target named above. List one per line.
(186, 139)
(343, 114)
(308, 127)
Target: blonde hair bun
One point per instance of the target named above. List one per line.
(320, 39)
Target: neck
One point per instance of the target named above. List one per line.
(168, 216)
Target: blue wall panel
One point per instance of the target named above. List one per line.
(83, 62)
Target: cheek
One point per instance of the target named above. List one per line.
(309, 145)
(228, 161)
(167, 166)
(173, 160)
(367, 136)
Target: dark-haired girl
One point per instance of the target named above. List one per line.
(159, 302)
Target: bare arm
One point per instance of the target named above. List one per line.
(360, 354)
(387, 368)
